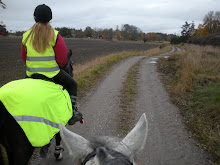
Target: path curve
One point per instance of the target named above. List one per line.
(168, 142)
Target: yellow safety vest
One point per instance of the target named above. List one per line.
(38, 106)
(41, 63)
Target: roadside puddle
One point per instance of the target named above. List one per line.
(153, 60)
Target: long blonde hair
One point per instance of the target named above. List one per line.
(41, 35)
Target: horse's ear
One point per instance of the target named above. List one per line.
(135, 139)
(69, 54)
(77, 146)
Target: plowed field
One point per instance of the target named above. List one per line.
(12, 67)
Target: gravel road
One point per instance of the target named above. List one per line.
(168, 142)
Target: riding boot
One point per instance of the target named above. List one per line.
(77, 116)
(58, 152)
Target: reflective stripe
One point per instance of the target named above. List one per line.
(36, 119)
(52, 69)
(45, 58)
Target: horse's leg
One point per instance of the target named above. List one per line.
(23, 154)
(18, 148)
(58, 149)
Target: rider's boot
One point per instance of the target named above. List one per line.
(58, 152)
(77, 116)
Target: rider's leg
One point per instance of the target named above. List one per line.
(58, 149)
(70, 85)
(67, 82)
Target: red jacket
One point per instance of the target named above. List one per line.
(60, 50)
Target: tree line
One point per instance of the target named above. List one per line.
(126, 32)
(207, 33)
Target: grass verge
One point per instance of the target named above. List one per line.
(127, 98)
(192, 77)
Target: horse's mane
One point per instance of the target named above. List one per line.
(104, 141)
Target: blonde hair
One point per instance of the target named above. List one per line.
(41, 35)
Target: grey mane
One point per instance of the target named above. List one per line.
(104, 141)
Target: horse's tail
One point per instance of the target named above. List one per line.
(3, 156)
(3, 153)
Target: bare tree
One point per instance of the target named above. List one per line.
(130, 32)
(212, 22)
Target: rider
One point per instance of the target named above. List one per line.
(44, 52)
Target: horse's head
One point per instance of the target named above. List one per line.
(69, 64)
(106, 150)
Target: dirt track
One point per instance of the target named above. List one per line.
(168, 142)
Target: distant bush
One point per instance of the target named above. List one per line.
(178, 40)
(211, 39)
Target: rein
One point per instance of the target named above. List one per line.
(89, 157)
(92, 155)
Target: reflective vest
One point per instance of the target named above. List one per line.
(41, 63)
(38, 106)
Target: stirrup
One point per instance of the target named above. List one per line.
(58, 152)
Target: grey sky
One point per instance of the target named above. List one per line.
(166, 16)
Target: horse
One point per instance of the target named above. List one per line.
(13, 138)
(106, 150)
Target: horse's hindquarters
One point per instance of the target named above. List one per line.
(13, 138)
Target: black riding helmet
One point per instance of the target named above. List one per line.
(42, 13)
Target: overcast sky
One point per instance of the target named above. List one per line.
(166, 16)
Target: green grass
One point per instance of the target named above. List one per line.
(203, 116)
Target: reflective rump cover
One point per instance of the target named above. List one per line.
(38, 106)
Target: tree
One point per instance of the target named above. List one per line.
(187, 31)
(202, 30)
(79, 33)
(130, 32)
(212, 22)
(88, 31)
(151, 36)
(117, 33)
(64, 31)
(97, 33)
(3, 30)
(107, 34)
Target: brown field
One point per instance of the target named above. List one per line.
(12, 67)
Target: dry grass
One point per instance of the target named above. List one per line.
(193, 79)
(197, 64)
